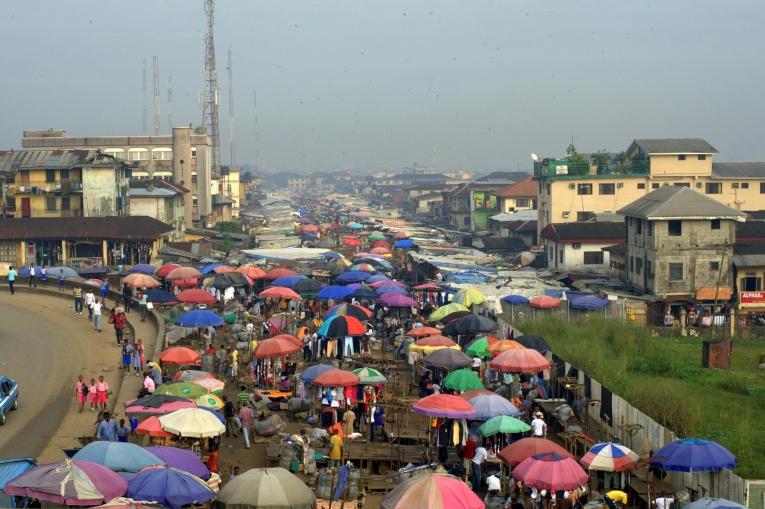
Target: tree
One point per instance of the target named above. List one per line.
(574, 156)
(225, 244)
(621, 161)
(601, 158)
(200, 129)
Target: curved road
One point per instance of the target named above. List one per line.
(44, 346)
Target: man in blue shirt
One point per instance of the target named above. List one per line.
(11, 279)
(107, 430)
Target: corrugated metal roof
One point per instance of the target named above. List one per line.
(14, 160)
(675, 146)
(89, 228)
(753, 169)
(674, 202)
(154, 192)
(11, 469)
(523, 189)
(580, 231)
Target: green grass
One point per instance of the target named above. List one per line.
(663, 377)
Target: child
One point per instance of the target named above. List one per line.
(136, 360)
(102, 388)
(122, 431)
(93, 393)
(81, 392)
(127, 353)
(61, 280)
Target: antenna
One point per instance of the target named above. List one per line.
(210, 94)
(145, 106)
(156, 95)
(170, 101)
(231, 138)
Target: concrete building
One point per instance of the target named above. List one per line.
(680, 245)
(519, 196)
(469, 206)
(161, 200)
(578, 247)
(64, 183)
(575, 189)
(182, 157)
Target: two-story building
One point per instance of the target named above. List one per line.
(579, 247)
(161, 200)
(469, 206)
(680, 245)
(519, 196)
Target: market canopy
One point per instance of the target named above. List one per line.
(524, 448)
(279, 292)
(470, 324)
(182, 459)
(336, 378)
(370, 376)
(341, 326)
(492, 405)
(311, 372)
(139, 280)
(192, 422)
(271, 488)
(180, 355)
(432, 491)
(445, 310)
(609, 457)
(170, 487)
(432, 343)
(191, 390)
(196, 296)
(448, 358)
(276, 347)
(463, 379)
(421, 332)
(693, 455)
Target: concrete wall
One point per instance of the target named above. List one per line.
(573, 258)
(670, 165)
(167, 210)
(101, 187)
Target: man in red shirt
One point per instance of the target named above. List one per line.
(468, 453)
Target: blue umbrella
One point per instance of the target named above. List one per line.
(209, 268)
(334, 292)
(143, 268)
(331, 255)
(170, 487)
(403, 244)
(217, 414)
(353, 276)
(693, 455)
(355, 226)
(391, 289)
(364, 293)
(118, 456)
(713, 503)
(515, 299)
(311, 372)
(587, 302)
(492, 405)
(157, 296)
(376, 278)
(56, 271)
(288, 281)
(199, 318)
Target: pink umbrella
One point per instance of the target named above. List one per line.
(432, 491)
(394, 300)
(222, 269)
(164, 408)
(380, 284)
(550, 471)
(544, 302)
(520, 360)
(444, 405)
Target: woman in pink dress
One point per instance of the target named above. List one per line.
(103, 392)
(80, 393)
(93, 393)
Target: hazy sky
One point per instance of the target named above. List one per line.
(385, 83)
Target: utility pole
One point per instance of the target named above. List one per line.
(156, 96)
(210, 95)
(231, 138)
(170, 102)
(145, 105)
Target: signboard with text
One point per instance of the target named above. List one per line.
(751, 297)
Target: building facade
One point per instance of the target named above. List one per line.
(578, 247)
(161, 200)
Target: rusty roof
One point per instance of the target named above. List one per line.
(526, 188)
(15, 160)
(85, 228)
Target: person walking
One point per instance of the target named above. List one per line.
(93, 394)
(144, 299)
(102, 389)
(229, 412)
(478, 458)
(77, 294)
(122, 431)
(43, 273)
(104, 291)
(11, 279)
(120, 322)
(32, 274)
(81, 392)
(127, 352)
(538, 426)
(137, 360)
(127, 297)
(61, 280)
(90, 299)
(246, 415)
(97, 305)
(107, 429)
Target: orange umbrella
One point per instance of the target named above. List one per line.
(527, 447)
(499, 346)
(252, 272)
(138, 280)
(183, 273)
(523, 360)
(280, 292)
(380, 250)
(179, 355)
(421, 332)
(287, 337)
(152, 427)
(336, 378)
(277, 273)
(351, 242)
(544, 302)
(276, 347)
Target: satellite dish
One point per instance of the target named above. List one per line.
(534, 157)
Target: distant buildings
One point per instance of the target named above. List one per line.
(469, 206)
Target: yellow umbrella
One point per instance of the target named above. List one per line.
(469, 296)
(210, 401)
(448, 309)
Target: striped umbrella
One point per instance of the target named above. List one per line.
(370, 376)
(609, 457)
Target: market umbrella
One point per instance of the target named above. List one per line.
(192, 422)
(470, 324)
(550, 471)
(448, 358)
(378, 261)
(515, 299)
(587, 302)
(537, 343)
(310, 228)
(432, 343)
(351, 242)
(479, 347)
(503, 424)
(447, 309)
(210, 401)
(401, 234)
(523, 360)
(183, 273)
(355, 226)
(218, 281)
(609, 457)
(74, 483)
(127, 503)
(376, 236)
(152, 427)
(463, 379)
(288, 281)
(308, 286)
(428, 287)
(189, 390)
(421, 332)
(211, 384)
(334, 292)
(265, 488)
(288, 337)
(469, 297)
(359, 312)
(158, 297)
(380, 250)
(353, 276)
(276, 347)
(117, 456)
(468, 395)
(377, 278)
(196, 296)
(713, 503)
(157, 404)
(311, 372)
(394, 300)
(432, 491)
(363, 267)
(502, 345)
(179, 355)
(385, 283)
(224, 269)
(444, 405)
(165, 269)
(383, 289)
(252, 272)
(363, 292)
(492, 405)
(380, 243)
(544, 302)
(370, 376)
(191, 375)
(693, 455)
(138, 280)
(277, 273)
(182, 459)
(336, 378)
(527, 447)
(454, 316)
(142, 268)
(341, 326)
(278, 292)
(199, 318)
(170, 487)
(238, 279)
(403, 244)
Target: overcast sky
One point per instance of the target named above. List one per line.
(384, 83)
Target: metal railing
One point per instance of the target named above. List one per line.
(50, 213)
(41, 186)
(563, 169)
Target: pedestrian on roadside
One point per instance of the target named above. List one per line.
(122, 431)
(479, 457)
(127, 296)
(127, 352)
(246, 415)
(102, 388)
(77, 294)
(107, 429)
(229, 412)
(97, 305)
(81, 392)
(32, 274)
(93, 394)
(148, 383)
(144, 299)
(137, 360)
(104, 290)
(120, 322)
(43, 273)
(11, 279)
(61, 280)
(90, 299)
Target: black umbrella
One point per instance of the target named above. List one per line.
(470, 324)
(537, 343)
(454, 316)
(156, 400)
(308, 286)
(236, 279)
(448, 358)
(218, 281)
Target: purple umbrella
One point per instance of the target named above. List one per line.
(169, 486)
(394, 300)
(391, 289)
(182, 459)
(79, 483)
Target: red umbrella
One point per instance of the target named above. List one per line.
(287, 337)
(550, 471)
(401, 234)
(380, 250)
(428, 287)
(183, 273)
(151, 426)
(523, 360)
(527, 447)
(436, 340)
(180, 355)
(277, 273)
(252, 272)
(280, 292)
(351, 242)
(381, 243)
(544, 302)
(444, 405)
(421, 332)
(222, 269)
(336, 378)
(312, 228)
(165, 269)
(276, 347)
(196, 296)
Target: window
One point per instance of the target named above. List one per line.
(194, 178)
(593, 257)
(194, 201)
(648, 268)
(65, 203)
(751, 284)
(50, 175)
(650, 228)
(675, 271)
(715, 224)
(522, 202)
(10, 202)
(607, 189)
(714, 266)
(713, 188)
(50, 204)
(585, 215)
(655, 185)
(466, 221)
(682, 184)
(162, 154)
(734, 185)
(560, 256)
(681, 157)
(118, 153)
(64, 173)
(632, 264)
(639, 226)
(745, 185)
(138, 154)
(641, 185)
(702, 157)
(638, 265)
(193, 152)
(674, 228)
(762, 187)
(549, 189)
(584, 189)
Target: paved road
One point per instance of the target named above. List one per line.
(44, 346)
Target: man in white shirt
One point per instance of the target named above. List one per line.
(538, 426)
(90, 299)
(411, 364)
(478, 459)
(493, 484)
(97, 315)
(663, 502)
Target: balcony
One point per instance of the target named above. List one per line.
(41, 186)
(561, 169)
(51, 213)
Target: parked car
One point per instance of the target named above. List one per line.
(9, 397)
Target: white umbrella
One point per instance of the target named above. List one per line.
(192, 422)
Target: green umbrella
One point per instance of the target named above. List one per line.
(448, 309)
(503, 424)
(463, 380)
(265, 488)
(370, 376)
(478, 347)
(377, 236)
(182, 389)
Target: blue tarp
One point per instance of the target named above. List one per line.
(587, 302)
(515, 299)
(209, 268)
(467, 277)
(10, 470)
(552, 292)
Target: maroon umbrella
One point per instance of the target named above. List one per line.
(395, 300)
